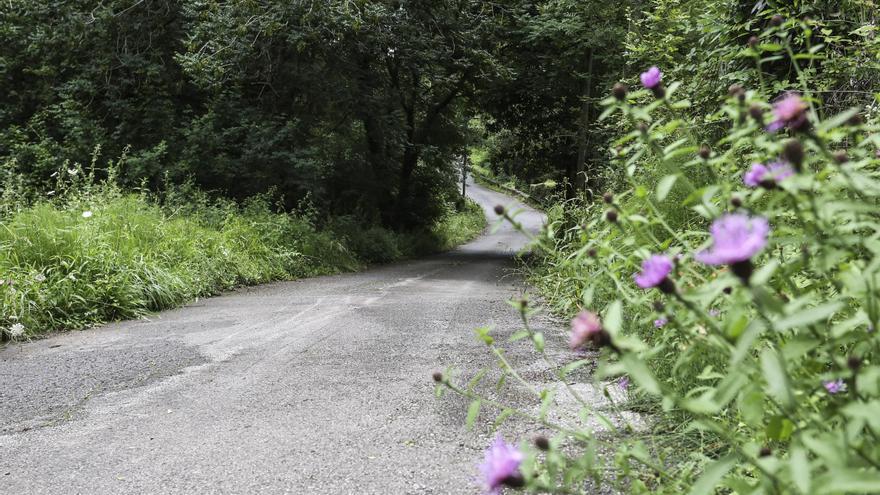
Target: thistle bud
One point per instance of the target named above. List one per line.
(592, 253)
(856, 120)
(728, 290)
(776, 20)
(854, 363)
(753, 41)
(793, 152)
(438, 376)
(736, 202)
(499, 210)
(736, 91)
(643, 127)
(611, 216)
(619, 91)
(659, 306)
(841, 157)
(542, 443)
(705, 152)
(757, 113)
(608, 198)
(765, 452)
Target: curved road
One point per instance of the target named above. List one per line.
(312, 386)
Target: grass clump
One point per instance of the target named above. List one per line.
(95, 253)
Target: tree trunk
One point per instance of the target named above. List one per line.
(579, 181)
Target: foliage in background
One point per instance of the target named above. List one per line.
(356, 104)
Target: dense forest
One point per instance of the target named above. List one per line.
(154, 151)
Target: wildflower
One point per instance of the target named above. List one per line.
(619, 91)
(655, 273)
(585, 326)
(791, 112)
(16, 330)
(736, 238)
(767, 177)
(501, 466)
(623, 382)
(834, 386)
(87, 214)
(40, 277)
(660, 322)
(651, 78)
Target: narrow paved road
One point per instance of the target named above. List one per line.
(313, 386)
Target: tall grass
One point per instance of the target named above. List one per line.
(95, 253)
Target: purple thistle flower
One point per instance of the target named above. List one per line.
(660, 322)
(834, 386)
(623, 382)
(761, 175)
(584, 327)
(501, 466)
(736, 238)
(651, 78)
(791, 112)
(655, 270)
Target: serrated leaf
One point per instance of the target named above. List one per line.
(665, 186)
(538, 339)
(800, 468)
(473, 412)
(613, 318)
(803, 318)
(712, 476)
(640, 373)
(777, 379)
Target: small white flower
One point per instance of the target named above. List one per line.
(40, 277)
(16, 330)
(87, 214)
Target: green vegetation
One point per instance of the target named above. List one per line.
(97, 253)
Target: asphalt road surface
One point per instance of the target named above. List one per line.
(313, 386)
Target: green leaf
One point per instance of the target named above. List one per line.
(613, 318)
(800, 468)
(568, 368)
(538, 339)
(779, 428)
(473, 412)
(803, 318)
(751, 407)
(777, 379)
(640, 373)
(712, 476)
(849, 481)
(483, 335)
(519, 335)
(665, 186)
